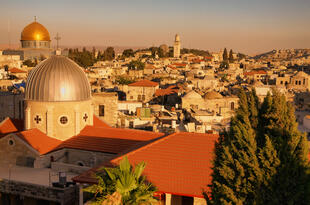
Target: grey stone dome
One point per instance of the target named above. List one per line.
(57, 79)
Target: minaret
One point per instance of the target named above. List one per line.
(177, 47)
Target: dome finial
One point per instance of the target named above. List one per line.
(35, 18)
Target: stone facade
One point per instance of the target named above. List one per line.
(179, 200)
(60, 120)
(140, 93)
(11, 105)
(14, 151)
(77, 157)
(177, 47)
(105, 106)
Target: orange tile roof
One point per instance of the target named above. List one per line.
(16, 70)
(9, 125)
(179, 64)
(256, 72)
(179, 163)
(108, 140)
(167, 91)
(39, 140)
(99, 122)
(144, 83)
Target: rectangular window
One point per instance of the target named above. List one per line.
(101, 110)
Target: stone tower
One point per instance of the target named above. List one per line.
(177, 47)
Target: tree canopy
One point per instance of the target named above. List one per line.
(136, 65)
(126, 181)
(263, 158)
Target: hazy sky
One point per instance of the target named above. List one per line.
(250, 26)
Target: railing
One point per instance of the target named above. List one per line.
(64, 196)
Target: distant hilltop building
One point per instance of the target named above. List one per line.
(35, 43)
(177, 47)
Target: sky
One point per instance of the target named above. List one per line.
(248, 26)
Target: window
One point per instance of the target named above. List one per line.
(11, 142)
(101, 110)
(232, 105)
(63, 120)
(80, 163)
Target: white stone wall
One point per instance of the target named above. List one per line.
(50, 113)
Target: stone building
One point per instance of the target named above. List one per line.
(106, 107)
(299, 81)
(35, 43)
(192, 100)
(142, 91)
(11, 105)
(221, 105)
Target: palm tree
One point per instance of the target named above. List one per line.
(126, 181)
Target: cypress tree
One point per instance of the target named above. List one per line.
(264, 160)
(236, 171)
(290, 184)
(231, 57)
(225, 55)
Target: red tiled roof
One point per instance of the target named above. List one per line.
(255, 72)
(16, 70)
(179, 163)
(109, 140)
(167, 91)
(99, 122)
(119, 133)
(9, 125)
(38, 140)
(179, 64)
(144, 83)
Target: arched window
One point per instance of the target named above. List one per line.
(232, 106)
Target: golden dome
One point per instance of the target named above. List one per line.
(35, 32)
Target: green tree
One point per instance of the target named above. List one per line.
(236, 172)
(225, 55)
(263, 159)
(290, 184)
(231, 56)
(109, 54)
(136, 65)
(128, 53)
(125, 180)
(123, 80)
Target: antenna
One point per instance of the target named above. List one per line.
(57, 38)
(9, 33)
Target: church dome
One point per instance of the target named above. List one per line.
(35, 32)
(57, 79)
(212, 95)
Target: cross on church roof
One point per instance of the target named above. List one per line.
(37, 119)
(57, 38)
(85, 117)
